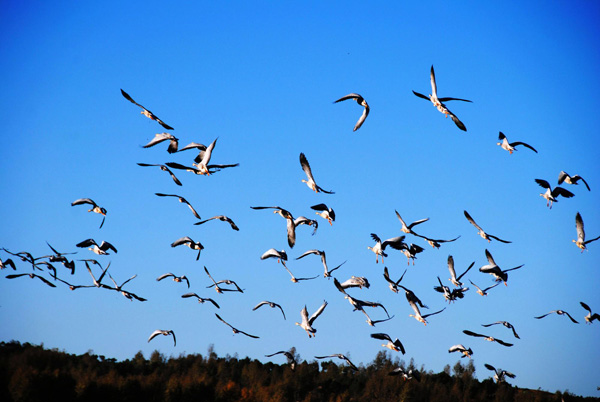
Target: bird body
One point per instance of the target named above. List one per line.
(164, 332)
(394, 345)
(493, 269)
(379, 247)
(101, 249)
(325, 212)
(307, 323)
(311, 180)
(510, 147)
(581, 242)
(551, 195)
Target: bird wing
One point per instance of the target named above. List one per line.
(86, 243)
(349, 96)
(317, 313)
(490, 258)
(577, 177)
(471, 333)
(291, 232)
(180, 241)
(430, 314)
(223, 321)
(383, 337)
(501, 342)
(562, 176)
(415, 223)
(433, 83)
(247, 334)
(514, 144)
(579, 227)
(158, 138)
(499, 239)
(421, 95)
(572, 319)
(470, 219)
(155, 333)
(490, 367)
(585, 306)
(107, 246)
(83, 201)
(542, 316)
(309, 252)
(306, 166)
(512, 269)
(561, 191)
(501, 136)
(449, 99)
(463, 274)
(362, 118)
(176, 165)
(543, 183)
(193, 145)
(395, 243)
(455, 348)
(190, 294)
(450, 268)
(456, 120)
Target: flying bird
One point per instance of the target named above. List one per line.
(291, 226)
(487, 338)
(450, 295)
(393, 285)
(290, 358)
(270, 304)
(307, 323)
(303, 220)
(221, 218)
(483, 292)
(493, 269)
(559, 312)
(435, 243)
(418, 316)
(327, 273)
(182, 200)
(506, 324)
(410, 251)
(160, 137)
(200, 299)
(460, 348)
(210, 169)
(408, 228)
(356, 282)
(406, 375)
(146, 112)
(98, 249)
(339, 356)
(311, 180)
(361, 101)
(394, 345)
(194, 145)
(581, 242)
(219, 289)
(119, 288)
(272, 253)
(481, 232)
(235, 330)
(551, 194)
(499, 374)
(438, 102)
(95, 207)
(175, 278)
(164, 168)
(564, 177)
(395, 242)
(589, 318)
(7, 263)
(31, 275)
(456, 280)
(510, 147)
(187, 241)
(325, 212)
(164, 332)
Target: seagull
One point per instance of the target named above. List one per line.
(484, 291)
(457, 293)
(393, 285)
(379, 247)
(510, 147)
(307, 322)
(7, 263)
(100, 250)
(146, 112)
(493, 269)
(200, 299)
(394, 345)
(290, 358)
(361, 101)
(222, 218)
(406, 375)
(182, 200)
(550, 195)
(120, 289)
(339, 356)
(235, 330)
(205, 156)
(302, 220)
(590, 317)
(325, 212)
(311, 180)
(438, 102)
(411, 297)
(487, 338)
(356, 282)
(165, 332)
(270, 304)
(59, 257)
(291, 227)
(435, 243)
(499, 375)
(97, 282)
(408, 228)
(373, 322)
(559, 312)
(564, 176)
(456, 281)
(225, 281)
(190, 243)
(327, 273)
(160, 137)
(410, 251)
(194, 145)
(481, 232)
(95, 207)
(506, 324)
(272, 253)
(210, 169)
(460, 348)
(164, 168)
(175, 278)
(47, 282)
(418, 316)
(581, 242)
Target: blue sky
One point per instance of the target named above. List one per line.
(263, 78)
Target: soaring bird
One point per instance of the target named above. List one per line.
(408, 228)
(146, 112)
(581, 242)
(325, 212)
(311, 180)
(221, 218)
(31, 275)
(564, 177)
(205, 156)
(410, 251)
(411, 297)
(307, 323)
(493, 269)
(327, 273)
(438, 102)
(175, 278)
(559, 312)
(417, 315)
(499, 374)
(589, 318)
(460, 348)
(164, 168)
(182, 200)
(160, 137)
(95, 207)
(456, 280)
(97, 282)
(359, 304)
(235, 330)
(98, 249)
(356, 282)
(303, 220)
(483, 292)
(210, 169)
(361, 101)
(510, 147)
(290, 358)
(506, 324)
(219, 289)
(394, 345)
(395, 242)
(481, 232)
(165, 332)
(270, 304)
(487, 338)
(119, 288)
(551, 194)
(339, 356)
(291, 226)
(187, 241)
(450, 295)
(272, 253)
(393, 285)
(200, 299)
(435, 243)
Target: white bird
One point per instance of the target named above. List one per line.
(291, 226)
(164, 168)
(406, 375)
(205, 158)
(559, 312)
(379, 247)
(31, 275)
(499, 374)
(510, 147)
(487, 338)
(456, 280)
(219, 289)
(325, 212)
(307, 322)
(187, 241)
(339, 356)
(481, 232)
(327, 273)
(182, 200)
(408, 228)
(290, 358)
(589, 318)
(506, 324)
(581, 242)
(160, 137)
(393, 285)
(200, 299)
(98, 249)
(394, 345)
(460, 348)
(175, 278)
(145, 111)
(438, 102)
(235, 330)
(165, 332)
(551, 194)
(410, 251)
(564, 177)
(493, 269)
(356, 282)
(221, 218)
(361, 101)
(311, 180)
(272, 253)
(418, 316)
(270, 304)
(95, 207)
(483, 292)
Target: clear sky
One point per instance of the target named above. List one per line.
(262, 77)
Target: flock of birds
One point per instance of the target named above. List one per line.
(44, 265)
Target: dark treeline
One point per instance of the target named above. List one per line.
(32, 373)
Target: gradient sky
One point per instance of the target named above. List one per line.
(262, 78)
